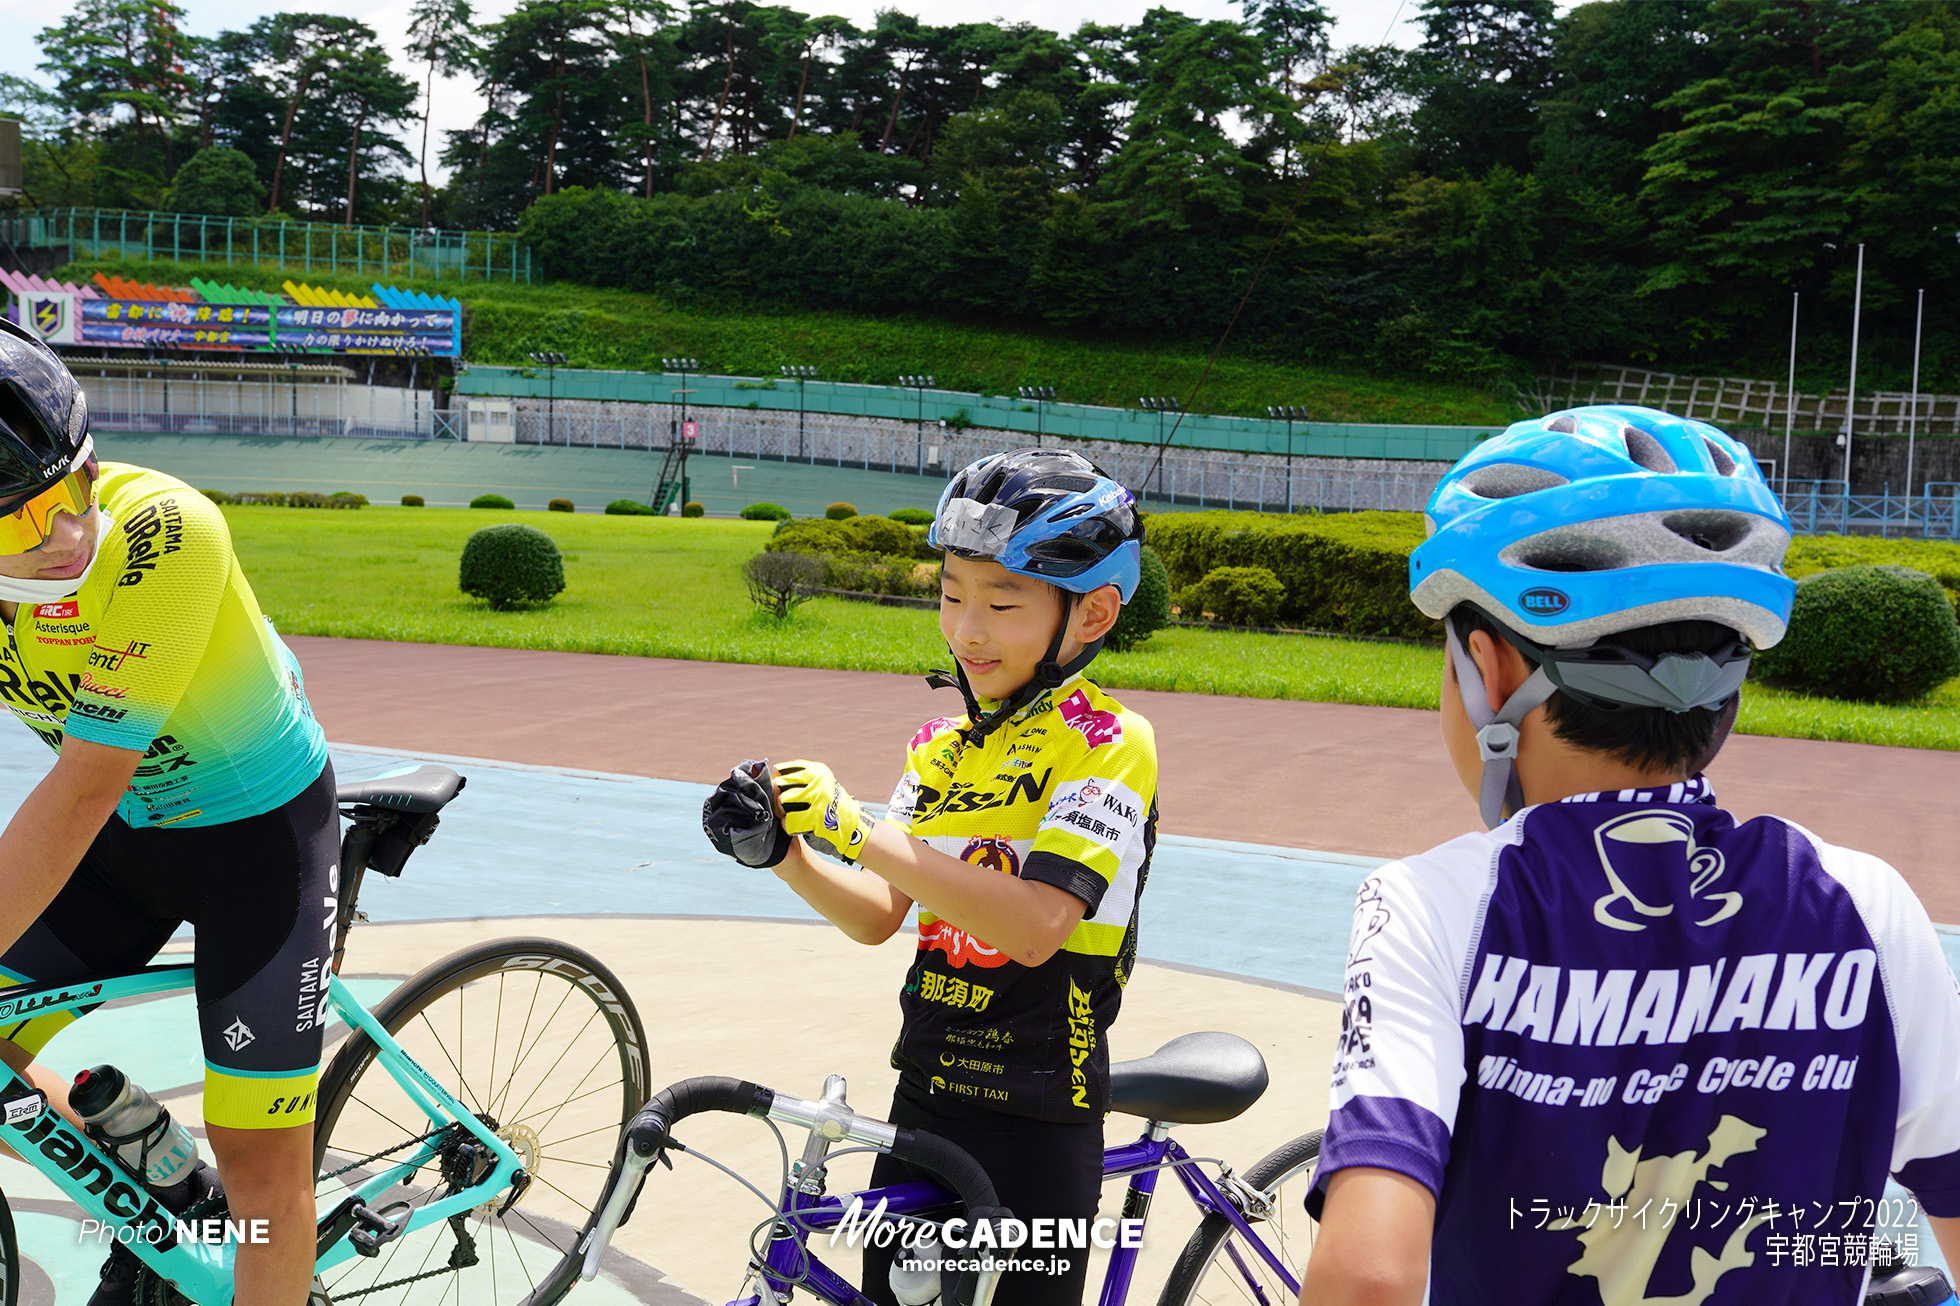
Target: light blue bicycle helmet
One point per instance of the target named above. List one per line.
(1050, 515)
(1570, 528)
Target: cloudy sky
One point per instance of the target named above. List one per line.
(1357, 22)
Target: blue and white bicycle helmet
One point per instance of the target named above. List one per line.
(1050, 515)
(1571, 528)
(1044, 513)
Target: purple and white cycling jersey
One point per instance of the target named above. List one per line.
(1637, 1050)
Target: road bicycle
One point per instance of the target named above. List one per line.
(1251, 1244)
(465, 1126)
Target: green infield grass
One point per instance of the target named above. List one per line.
(668, 587)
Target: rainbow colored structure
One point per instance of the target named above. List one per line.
(113, 313)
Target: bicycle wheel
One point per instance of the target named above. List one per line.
(540, 1041)
(1217, 1265)
(9, 1256)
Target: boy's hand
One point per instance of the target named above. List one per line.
(740, 818)
(814, 804)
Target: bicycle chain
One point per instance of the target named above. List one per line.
(461, 1257)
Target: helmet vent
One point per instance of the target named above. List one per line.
(18, 416)
(1071, 484)
(1723, 463)
(1508, 480)
(1711, 529)
(1564, 424)
(1569, 550)
(1646, 450)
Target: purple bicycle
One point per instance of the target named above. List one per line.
(1251, 1244)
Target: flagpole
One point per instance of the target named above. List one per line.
(1790, 397)
(1912, 421)
(1851, 404)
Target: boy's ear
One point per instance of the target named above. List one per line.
(1096, 612)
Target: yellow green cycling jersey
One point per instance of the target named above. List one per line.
(1064, 793)
(164, 650)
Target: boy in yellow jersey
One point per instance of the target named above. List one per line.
(191, 785)
(1023, 832)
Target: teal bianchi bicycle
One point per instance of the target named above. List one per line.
(466, 1125)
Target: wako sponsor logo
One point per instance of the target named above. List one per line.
(1544, 602)
(33, 1002)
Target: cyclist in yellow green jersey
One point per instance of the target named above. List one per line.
(191, 784)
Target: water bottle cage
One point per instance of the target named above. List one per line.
(148, 1138)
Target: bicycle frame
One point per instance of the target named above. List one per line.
(789, 1260)
(95, 1181)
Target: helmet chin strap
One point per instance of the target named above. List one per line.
(1049, 674)
(1497, 732)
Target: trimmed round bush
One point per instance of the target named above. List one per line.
(560, 505)
(1878, 633)
(765, 512)
(628, 508)
(217, 496)
(491, 501)
(411, 501)
(1149, 609)
(694, 508)
(911, 516)
(880, 535)
(840, 510)
(512, 564)
(1235, 596)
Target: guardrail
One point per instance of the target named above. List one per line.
(1826, 508)
(309, 247)
(929, 407)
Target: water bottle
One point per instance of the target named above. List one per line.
(139, 1131)
(1916, 1285)
(917, 1287)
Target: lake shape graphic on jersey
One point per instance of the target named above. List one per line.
(1621, 1253)
(1653, 865)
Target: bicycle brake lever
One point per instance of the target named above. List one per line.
(644, 1142)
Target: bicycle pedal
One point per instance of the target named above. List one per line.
(372, 1229)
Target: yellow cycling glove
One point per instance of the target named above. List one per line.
(816, 806)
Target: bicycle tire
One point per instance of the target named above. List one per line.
(539, 1245)
(1198, 1278)
(10, 1267)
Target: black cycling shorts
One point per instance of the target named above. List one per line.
(261, 893)
(1041, 1169)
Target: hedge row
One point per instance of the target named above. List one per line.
(1342, 571)
(1350, 571)
(290, 499)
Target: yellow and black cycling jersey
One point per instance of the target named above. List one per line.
(164, 651)
(1064, 793)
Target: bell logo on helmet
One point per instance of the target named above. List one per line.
(1544, 602)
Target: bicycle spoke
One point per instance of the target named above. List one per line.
(560, 1058)
(440, 1047)
(537, 987)
(511, 1083)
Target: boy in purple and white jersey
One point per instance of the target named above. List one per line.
(1623, 1049)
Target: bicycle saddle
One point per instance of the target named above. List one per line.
(1195, 1079)
(409, 789)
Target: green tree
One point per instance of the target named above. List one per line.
(220, 181)
(439, 33)
(300, 49)
(366, 88)
(1067, 282)
(115, 56)
(1479, 73)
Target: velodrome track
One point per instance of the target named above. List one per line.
(580, 823)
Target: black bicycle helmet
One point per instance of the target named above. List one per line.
(1051, 515)
(43, 417)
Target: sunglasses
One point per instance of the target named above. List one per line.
(26, 525)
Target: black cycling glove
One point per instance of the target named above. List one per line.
(740, 817)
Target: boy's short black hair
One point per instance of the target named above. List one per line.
(1647, 737)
